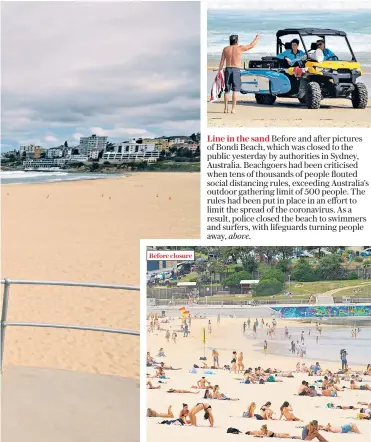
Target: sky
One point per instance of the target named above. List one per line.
(121, 69)
(317, 5)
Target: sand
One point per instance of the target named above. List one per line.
(227, 337)
(86, 231)
(287, 112)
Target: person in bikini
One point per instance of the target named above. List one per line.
(208, 414)
(174, 390)
(153, 413)
(264, 432)
(354, 386)
(286, 412)
(184, 414)
(231, 57)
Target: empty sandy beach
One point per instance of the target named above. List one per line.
(225, 338)
(86, 231)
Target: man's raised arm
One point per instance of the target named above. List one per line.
(251, 45)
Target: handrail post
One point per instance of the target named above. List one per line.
(4, 314)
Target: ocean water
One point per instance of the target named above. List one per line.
(332, 340)
(21, 177)
(222, 23)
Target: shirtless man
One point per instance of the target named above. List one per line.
(231, 56)
(202, 384)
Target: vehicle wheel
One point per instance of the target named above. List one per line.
(313, 95)
(303, 100)
(360, 96)
(267, 99)
(258, 98)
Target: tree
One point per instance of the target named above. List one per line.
(242, 254)
(283, 265)
(65, 144)
(274, 273)
(234, 279)
(286, 251)
(193, 137)
(330, 268)
(303, 272)
(268, 287)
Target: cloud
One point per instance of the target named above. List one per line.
(50, 138)
(122, 68)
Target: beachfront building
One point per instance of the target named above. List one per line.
(55, 152)
(133, 150)
(78, 158)
(30, 150)
(44, 164)
(160, 143)
(87, 144)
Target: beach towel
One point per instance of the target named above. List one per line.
(209, 372)
(193, 371)
(217, 87)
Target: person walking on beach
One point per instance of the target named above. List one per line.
(265, 347)
(185, 330)
(244, 326)
(174, 335)
(293, 347)
(248, 322)
(343, 357)
(231, 57)
(218, 319)
(167, 335)
(317, 339)
(209, 326)
(215, 356)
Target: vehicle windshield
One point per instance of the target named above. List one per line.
(334, 45)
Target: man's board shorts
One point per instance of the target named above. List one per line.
(232, 79)
(346, 428)
(362, 387)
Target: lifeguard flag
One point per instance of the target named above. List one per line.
(182, 309)
(203, 335)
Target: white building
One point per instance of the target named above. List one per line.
(55, 152)
(92, 142)
(127, 157)
(79, 158)
(44, 164)
(133, 147)
(30, 149)
(94, 154)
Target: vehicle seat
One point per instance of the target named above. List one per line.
(313, 46)
(287, 45)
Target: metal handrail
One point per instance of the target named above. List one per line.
(4, 312)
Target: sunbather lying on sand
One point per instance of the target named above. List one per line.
(354, 386)
(174, 390)
(153, 413)
(347, 428)
(221, 396)
(151, 386)
(264, 432)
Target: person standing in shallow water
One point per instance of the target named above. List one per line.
(231, 57)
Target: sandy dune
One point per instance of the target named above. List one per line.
(86, 231)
